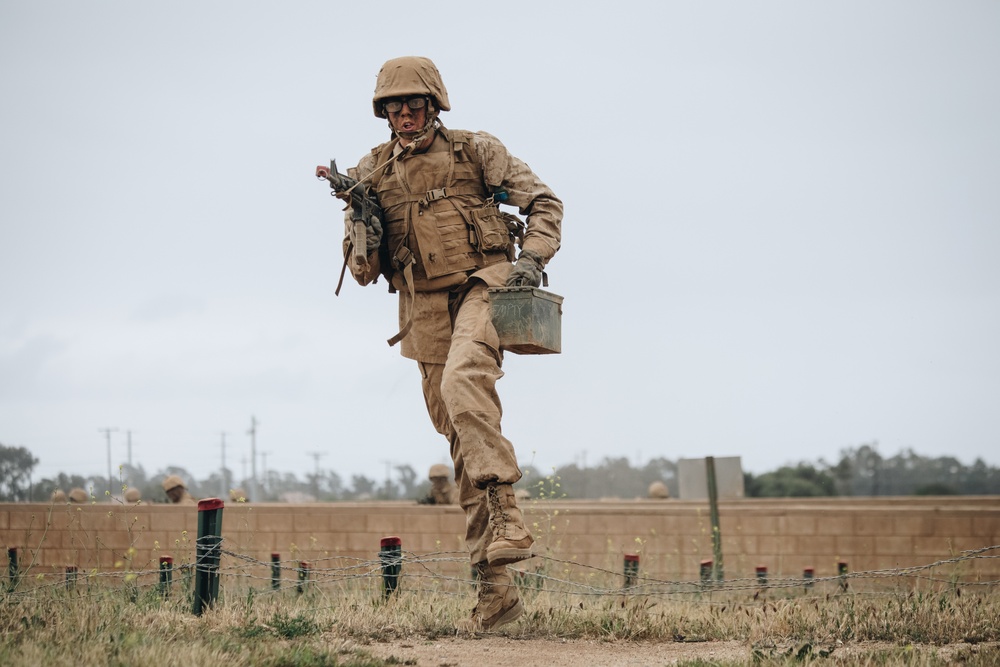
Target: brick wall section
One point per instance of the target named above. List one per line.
(671, 537)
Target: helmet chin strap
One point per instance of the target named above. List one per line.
(418, 136)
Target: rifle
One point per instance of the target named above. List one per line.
(365, 210)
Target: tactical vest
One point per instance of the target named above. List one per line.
(438, 213)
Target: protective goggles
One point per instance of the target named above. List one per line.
(396, 105)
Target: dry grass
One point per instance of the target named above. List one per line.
(331, 624)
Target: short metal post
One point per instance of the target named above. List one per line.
(808, 575)
(713, 509)
(275, 571)
(842, 573)
(208, 554)
(166, 575)
(631, 566)
(762, 575)
(303, 577)
(705, 572)
(391, 555)
(12, 567)
(71, 577)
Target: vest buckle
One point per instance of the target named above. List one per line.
(434, 195)
(402, 258)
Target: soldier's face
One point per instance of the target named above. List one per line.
(407, 121)
(175, 494)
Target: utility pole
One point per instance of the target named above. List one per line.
(128, 440)
(253, 457)
(107, 434)
(388, 467)
(316, 456)
(223, 494)
(263, 473)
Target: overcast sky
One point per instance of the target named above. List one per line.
(781, 237)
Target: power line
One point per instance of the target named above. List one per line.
(222, 474)
(316, 457)
(253, 457)
(107, 434)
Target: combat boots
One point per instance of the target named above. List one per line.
(498, 602)
(511, 540)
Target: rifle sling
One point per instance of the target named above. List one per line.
(408, 278)
(343, 269)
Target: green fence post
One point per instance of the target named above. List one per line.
(12, 567)
(713, 510)
(391, 555)
(208, 553)
(166, 575)
(303, 577)
(808, 575)
(631, 566)
(842, 573)
(275, 571)
(71, 577)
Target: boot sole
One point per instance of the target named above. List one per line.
(508, 616)
(508, 556)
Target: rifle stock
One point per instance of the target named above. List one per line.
(360, 240)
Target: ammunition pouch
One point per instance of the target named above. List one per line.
(488, 230)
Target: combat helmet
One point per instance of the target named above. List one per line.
(439, 470)
(658, 490)
(172, 482)
(409, 75)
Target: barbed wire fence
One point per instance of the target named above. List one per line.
(440, 573)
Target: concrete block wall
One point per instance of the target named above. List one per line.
(671, 537)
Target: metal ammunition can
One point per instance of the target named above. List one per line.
(527, 319)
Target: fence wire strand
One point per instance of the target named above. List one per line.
(433, 573)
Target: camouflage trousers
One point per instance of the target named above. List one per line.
(464, 406)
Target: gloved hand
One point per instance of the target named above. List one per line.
(373, 237)
(527, 271)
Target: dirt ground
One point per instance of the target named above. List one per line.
(460, 652)
(486, 650)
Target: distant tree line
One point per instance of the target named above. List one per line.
(862, 471)
(859, 471)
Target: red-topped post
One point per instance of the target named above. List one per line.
(208, 553)
(166, 575)
(631, 569)
(391, 555)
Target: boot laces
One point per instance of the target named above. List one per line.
(498, 518)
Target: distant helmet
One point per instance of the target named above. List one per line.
(522, 494)
(131, 495)
(78, 496)
(409, 75)
(237, 494)
(58, 496)
(439, 470)
(172, 482)
(658, 490)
